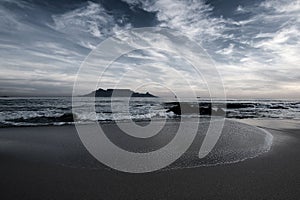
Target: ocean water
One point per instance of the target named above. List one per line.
(33, 111)
(237, 141)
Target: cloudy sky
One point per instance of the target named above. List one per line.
(255, 45)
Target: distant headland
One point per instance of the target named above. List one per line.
(118, 93)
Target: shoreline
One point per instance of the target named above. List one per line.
(271, 175)
(250, 121)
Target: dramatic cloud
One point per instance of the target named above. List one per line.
(89, 21)
(256, 49)
(255, 45)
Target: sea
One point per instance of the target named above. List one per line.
(57, 111)
(237, 142)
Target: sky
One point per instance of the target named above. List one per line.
(255, 45)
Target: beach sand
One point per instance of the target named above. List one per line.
(32, 168)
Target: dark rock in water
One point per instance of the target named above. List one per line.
(278, 107)
(188, 108)
(183, 108)
(175, 109)
(68, 117)
(239, 105)
(206, 110)
(117, 93)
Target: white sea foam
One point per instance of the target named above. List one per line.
(21, 111)
(238, 143)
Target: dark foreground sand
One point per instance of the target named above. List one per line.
(29, 171)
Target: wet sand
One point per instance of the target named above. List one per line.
(29, 171)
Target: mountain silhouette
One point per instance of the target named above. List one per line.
(118, 93)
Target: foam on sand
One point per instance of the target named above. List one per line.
(237, 143)
(61, 145)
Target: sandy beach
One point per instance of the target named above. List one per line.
(150, 100)
(30, 170)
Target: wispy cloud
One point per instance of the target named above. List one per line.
(87, 24)
(193, 18)
(244, 49)
(256, 47)
(32, 51)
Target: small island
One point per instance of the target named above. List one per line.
(118, 93)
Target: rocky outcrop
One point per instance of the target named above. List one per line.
(189, 108)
